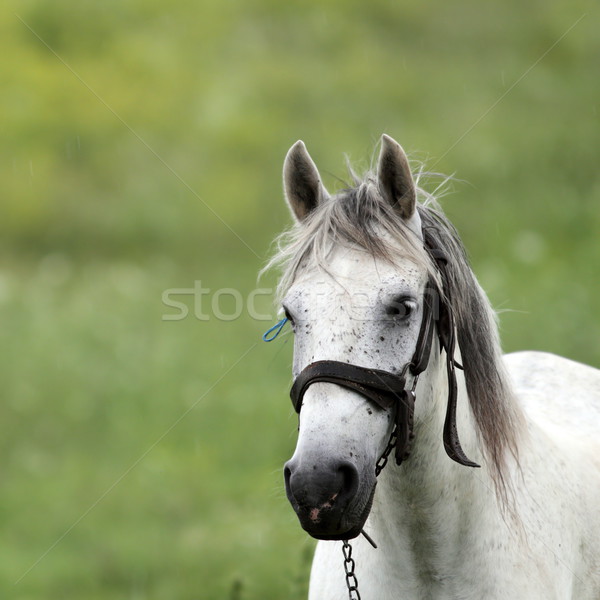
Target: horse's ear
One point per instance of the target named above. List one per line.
(395, 179)
(302, 182)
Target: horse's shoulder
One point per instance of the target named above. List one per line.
(554, 390)
(532, 369)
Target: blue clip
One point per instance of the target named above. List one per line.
(276, 329)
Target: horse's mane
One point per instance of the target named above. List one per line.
(358, 216)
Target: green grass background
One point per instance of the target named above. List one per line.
(141, 458)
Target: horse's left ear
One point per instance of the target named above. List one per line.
(395, 179)
(302, 182)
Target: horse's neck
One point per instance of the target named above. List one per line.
(426, 504)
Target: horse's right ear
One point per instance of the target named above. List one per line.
(302, 182)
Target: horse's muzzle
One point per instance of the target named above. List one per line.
(332, 501)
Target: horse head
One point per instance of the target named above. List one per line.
(358, 308)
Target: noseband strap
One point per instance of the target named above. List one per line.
(380, 387)
(386, 389)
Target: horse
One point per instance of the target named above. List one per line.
(396, 346)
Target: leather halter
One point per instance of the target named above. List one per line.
(388, 389)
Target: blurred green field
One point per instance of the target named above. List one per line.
(141, 150)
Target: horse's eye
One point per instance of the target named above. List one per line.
(286, 312)
(401, 307)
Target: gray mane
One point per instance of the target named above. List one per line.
(357, 217)
(497, 416)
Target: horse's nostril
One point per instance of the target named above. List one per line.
(287, 477)
(350, 481)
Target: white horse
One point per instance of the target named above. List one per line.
(524, 526)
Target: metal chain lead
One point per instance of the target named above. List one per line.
(383, 459)
(349, 564)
